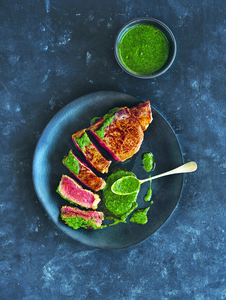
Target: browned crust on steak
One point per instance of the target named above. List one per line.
(86, 175)
(92, 154)
(142, 112)
(90, 179)
(73, 192)
(124, 135)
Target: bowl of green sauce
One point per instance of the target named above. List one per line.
(145, 48)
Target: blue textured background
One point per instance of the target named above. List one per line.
(51, 53)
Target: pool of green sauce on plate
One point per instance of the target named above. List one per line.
(148, 162)
(149, 165)
(118, 207)
(148, 195)
(143, 49)
(140, 216)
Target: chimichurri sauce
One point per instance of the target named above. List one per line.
(140, 216)
(107, 121)
(118, 207)
(148, 162)
(72, 163)
(83, 141)
(108, 118)
(147, 197)
(143, 49)
(79, 222)
(126, 185)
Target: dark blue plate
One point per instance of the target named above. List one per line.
(55, 143)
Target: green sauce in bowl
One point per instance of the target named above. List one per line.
(143, 49)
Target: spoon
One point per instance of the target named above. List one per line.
(130, 184)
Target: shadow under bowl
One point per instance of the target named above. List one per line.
(157, 24)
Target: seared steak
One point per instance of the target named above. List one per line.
(77, 218)
(70, 190)
(91, 153)
(142, 112)
(83, 173)
(121, 134)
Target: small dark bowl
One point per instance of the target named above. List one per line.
(164, 29)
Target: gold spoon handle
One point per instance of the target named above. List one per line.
(186, 168)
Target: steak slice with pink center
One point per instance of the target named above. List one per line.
(71, 191)
(77, 218)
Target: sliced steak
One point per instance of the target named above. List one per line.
(142, 112)
(119, 133)
(77, 218)
(83, 173)
(70, 190)
(90, 151)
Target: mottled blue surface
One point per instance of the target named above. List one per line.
(51, 53)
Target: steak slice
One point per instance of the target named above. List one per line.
(77, 218)
(71, 191)
(90, 151)
(142, 112)
(83, 173)
(119, 133)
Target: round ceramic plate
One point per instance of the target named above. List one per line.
(56, 142)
